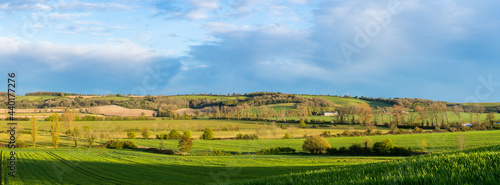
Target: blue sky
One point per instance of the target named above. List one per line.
(441, 50)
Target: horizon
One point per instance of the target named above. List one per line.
(442, 51)
(240, 94)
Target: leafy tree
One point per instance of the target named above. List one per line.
(423, 144)
(287, 136)
(208, 134)
(383, 147)
(187, 133)
(90, 140)
(490, 118)
(34, 130)
(185, 144)
(302, 124)
(54, 130)
(174, 134)
(75, 135)
(131, 135)
(67, 118)
(146, 133)
(316, 144)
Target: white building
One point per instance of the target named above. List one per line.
(330, 113)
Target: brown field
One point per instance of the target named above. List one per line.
(188, 111)
(115, 110)
(58, 110)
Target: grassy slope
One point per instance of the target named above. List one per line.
(345, 101)
(476, 166)
(103, 166)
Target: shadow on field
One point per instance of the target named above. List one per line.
(57, 170)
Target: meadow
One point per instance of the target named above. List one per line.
(104, 166)
(240, 164)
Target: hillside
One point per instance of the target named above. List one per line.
(346, 101)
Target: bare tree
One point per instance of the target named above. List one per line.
(458, 110)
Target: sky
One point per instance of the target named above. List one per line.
(441, 50)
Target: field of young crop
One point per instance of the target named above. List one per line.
(476, 166)
(105, 166)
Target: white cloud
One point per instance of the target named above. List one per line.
(67, 16)
(298, 1)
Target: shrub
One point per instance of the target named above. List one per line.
(283, 126)
(383, 147)
(357, 149)
(146, 133)
(400, 151)
(287, 136)
(275, 150)
(208, 134)
(185, 144)
(21, 144)
(332, 150)
(302, 124)
(315, 145)
(187, 133)
(174, 135)
(117, 144)
(131, 135)
(326, 134)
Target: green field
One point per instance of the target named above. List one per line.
(107, 166)
(103, 166)
(475, 166)
(346, 101)
(437, 142)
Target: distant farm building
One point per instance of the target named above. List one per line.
(330, 114)
(467, 125)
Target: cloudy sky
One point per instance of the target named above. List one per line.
(441, 50)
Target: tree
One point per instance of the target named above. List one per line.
(208, 134)
(131, 135)
(187, 133)
(421, 113)
(54, 130)
(302, 124)
(490, 118)
(423, 144)
(34, 130)
(316, 144)
(478, 110)
(146, 133)
(383, 147)
(90, 140)
(174, 134)
(287, 136)
(67, 118)
(457, 110)
(75, 136)
(185, 144)
(365, 113)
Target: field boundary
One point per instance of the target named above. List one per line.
(86, 172)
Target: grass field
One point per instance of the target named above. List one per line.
(437, 142)
(475, 166)
(346, 101)
(103, 166)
